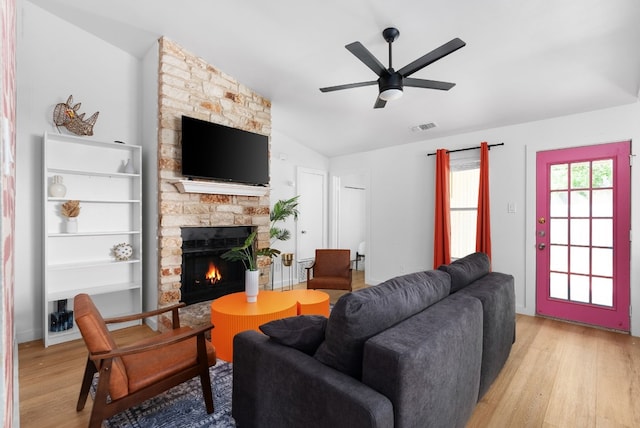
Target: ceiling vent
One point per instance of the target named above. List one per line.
(423, 127)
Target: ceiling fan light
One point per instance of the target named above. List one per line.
(390, 94)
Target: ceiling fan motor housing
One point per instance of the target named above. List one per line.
(391, 80)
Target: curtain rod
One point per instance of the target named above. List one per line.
(468, 148)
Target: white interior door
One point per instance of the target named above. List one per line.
(311, 226)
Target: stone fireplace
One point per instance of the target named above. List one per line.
(205, 274)
(187, 85)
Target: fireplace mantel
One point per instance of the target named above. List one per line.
(195, 186)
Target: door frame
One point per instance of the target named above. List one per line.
(336, 222)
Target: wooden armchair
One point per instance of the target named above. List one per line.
(131, 374)
(331, 270)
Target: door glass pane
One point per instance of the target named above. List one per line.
(558, 258)
(558, 288)
(579, 288)
(602, 173)
(580, 260)
(580, 174)
(602, 232)
(603, 203)
(602, 263)
(559, 177)
(602, 291)
(558, 206)
(580, 203)
(559, 233)
(580, 231)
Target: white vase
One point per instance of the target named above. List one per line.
(71, 225)
(128, 167)
(57, 189)
(251, 278)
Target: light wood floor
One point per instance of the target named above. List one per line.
(558, 375)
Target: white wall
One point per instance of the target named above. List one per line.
(54, 60)
(286, 156)
(400, 215)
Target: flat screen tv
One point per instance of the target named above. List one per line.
(221, 153)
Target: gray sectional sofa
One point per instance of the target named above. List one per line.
(419, 350)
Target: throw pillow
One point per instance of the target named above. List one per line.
(303, 332)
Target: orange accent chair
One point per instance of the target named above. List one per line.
(132, 374)
(331, 270)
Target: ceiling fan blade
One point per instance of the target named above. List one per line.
(348, 86)
(366, 57)
(429, 84)
(380, 103)
(432, 56)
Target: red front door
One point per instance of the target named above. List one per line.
(583, 226)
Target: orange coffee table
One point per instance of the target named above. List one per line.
(231, 314)
(311, 302)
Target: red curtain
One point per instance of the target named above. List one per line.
(442, 227)
(483, 226)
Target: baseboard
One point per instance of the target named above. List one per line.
(152, 322)
(28, 336)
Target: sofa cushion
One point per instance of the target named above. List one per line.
(359, 315)
(429, 364)
(467, 269)
(303, 332)
(497, 295)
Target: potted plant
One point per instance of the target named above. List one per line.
(246, 253)
(282, 209)
(71, 210)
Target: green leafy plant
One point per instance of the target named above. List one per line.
(282, 209)
(243, 253)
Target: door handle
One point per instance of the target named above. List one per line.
(303, 232)
(541, 246)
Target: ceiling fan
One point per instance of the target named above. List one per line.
(391, 82)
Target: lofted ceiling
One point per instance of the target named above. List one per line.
(523, 60)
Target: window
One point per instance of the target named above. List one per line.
(464, 183)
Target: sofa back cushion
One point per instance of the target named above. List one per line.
(467, 269)
(364, 313)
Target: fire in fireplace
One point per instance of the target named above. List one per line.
(205, 274)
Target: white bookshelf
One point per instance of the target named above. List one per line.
(110, 214)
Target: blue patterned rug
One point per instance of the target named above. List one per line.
(182, 406)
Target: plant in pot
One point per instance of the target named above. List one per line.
(70, 210)
(282, 209)
(245, 254)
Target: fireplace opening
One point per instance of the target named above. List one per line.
(205, 274)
